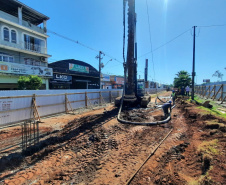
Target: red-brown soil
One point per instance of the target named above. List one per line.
(94, 148)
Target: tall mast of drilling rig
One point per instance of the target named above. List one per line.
(130, 94)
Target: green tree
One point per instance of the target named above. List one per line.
(23, 82)
(29, 82)
(218, 74)
(182, 80)
(35, 82)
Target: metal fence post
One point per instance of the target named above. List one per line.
(100, 98)
(110, 96)
(66, 109)
(86, 99)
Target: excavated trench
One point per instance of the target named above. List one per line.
(190, 158)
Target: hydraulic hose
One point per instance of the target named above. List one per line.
(140, 123)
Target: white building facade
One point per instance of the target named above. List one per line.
(23, 44)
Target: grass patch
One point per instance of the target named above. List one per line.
(154, 95)
(199, 100)
(203, 180)
(194, 182)
(209, 148)
(214, 110)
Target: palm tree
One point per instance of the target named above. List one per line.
(183, 79)
(218, 74)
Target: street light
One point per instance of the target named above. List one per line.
(107, 62)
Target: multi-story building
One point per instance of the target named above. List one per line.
(23, 44)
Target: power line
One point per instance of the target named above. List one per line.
(206, 26)
(165, 43)
(113, 58)
(149, 27)
(72, 40)
(81, 44)
(219, 25)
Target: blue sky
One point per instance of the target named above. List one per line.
(98, 25)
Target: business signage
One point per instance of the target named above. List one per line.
(59, 78)
(206, 80)
(14, 68)
(78, 68)
(105, 78)
(119, 80)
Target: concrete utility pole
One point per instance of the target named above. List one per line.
(100, 66)
(193, 67)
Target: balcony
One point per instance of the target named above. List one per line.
(25, 47)
(25, 24)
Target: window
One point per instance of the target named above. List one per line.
(9, 35)
(13, 36)
(6, 34)
(11, 59)
(6, 58)
(33, 44)
(31, 61)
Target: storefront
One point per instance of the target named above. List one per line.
(105, 81)
(74, 74)
(60, 81)
(10, 73)
(117, 82)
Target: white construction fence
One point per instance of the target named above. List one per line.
(22, 105)
(19, 106)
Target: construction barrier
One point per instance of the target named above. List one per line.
(20, 106)
(26, 105)
(212, 91)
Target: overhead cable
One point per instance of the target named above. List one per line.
(219, 25)
(81, 44)
(165, 43)
(152, 57)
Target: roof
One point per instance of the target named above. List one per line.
(62, 66)
(29, 14)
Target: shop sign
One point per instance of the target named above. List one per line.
(107, 83)
(206, 80)
(78, 68)
(119, 80)
(60, 77)
(14, 68)
(105, 78)
(112, 78)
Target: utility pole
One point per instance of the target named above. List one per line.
(193, 67)
(100, 65)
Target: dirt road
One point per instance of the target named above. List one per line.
(94, 148)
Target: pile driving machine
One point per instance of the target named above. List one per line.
(133, 91)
